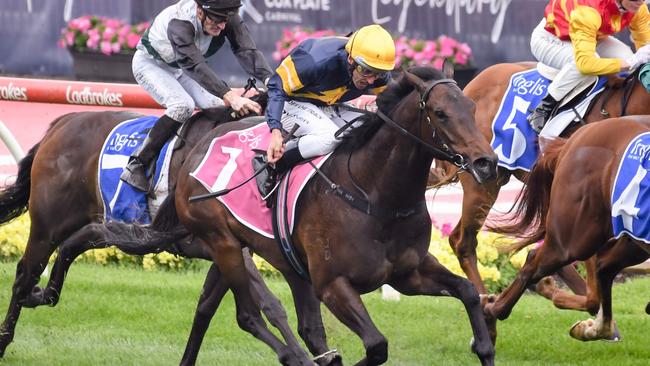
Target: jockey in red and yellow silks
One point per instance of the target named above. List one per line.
(575, 37)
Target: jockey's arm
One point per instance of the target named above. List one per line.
(181, 35)
(639, 29)
(244, 48)
(583, 31)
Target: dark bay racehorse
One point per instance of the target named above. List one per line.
(349, 252)
(57, 181)
(568, 203)
(487, 90)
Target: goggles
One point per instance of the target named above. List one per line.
(218, 16)
(365, 72)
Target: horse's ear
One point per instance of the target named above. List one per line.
(415, 81)
(448, 69)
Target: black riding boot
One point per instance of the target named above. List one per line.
(540, 115)
(135, 173)
(268, 178)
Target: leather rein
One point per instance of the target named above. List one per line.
(443, 153)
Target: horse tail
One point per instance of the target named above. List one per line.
(14, 199)
(528, 220)
(134, 238)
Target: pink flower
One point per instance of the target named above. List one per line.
(132, 40)
(437, 63)
(92, 43)
(116, 47)
(69, 38)
(106, 47)
(108, 33)
(112, 23)
(124, 30)
(446, 229)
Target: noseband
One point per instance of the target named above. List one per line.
(443, 152)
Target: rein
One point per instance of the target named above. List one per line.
(363, 204)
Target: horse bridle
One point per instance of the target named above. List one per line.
(442, 153)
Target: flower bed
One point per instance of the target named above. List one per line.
(106, 35)
(409, 51)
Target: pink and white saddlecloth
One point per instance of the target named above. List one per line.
(227, 163)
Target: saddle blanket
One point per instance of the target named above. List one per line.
(227, 163)
(121, 201)
(631, 192)
(514, 141)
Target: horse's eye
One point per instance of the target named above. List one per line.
(440, 114)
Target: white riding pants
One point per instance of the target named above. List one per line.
(554, 52)
(317, 126)
(171, 87)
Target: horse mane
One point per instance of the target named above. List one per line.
(387, 101)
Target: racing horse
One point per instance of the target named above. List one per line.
(573, 194)
(487, 90)
(349, 251)
(58, 184)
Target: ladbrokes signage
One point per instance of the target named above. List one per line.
(12, 92)
(93, 97)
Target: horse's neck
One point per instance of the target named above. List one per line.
(395, 168)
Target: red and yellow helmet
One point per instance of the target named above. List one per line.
(373, 48)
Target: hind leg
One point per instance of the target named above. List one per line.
(477, 201)
(227, 253)
(214, 288)
(310, 322)
(432, 278)
(81, 241)
(610, 262)
(28, 271)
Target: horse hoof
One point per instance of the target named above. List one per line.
(647, 308)
(616, 336)
(329, 358)
(582, 331)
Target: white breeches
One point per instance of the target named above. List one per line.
(554, 52)
(317, 126)
(171, 87)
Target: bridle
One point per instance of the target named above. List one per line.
(442, 152)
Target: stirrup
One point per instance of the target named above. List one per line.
(135, 175)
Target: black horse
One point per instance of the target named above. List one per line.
(57, 182)
(349, 251)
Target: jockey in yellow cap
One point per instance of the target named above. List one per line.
(319, 73)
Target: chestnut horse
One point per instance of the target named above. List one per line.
(57, 181)
(487, 90)
(568, 203)
(348, 251)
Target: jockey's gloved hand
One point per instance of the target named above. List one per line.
(241, 105)
(641, 57)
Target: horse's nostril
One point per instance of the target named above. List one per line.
(486, 167)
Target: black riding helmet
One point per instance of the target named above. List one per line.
(219, 9)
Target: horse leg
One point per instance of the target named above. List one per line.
(433, 279)
(310, 322)
(213, 291)
(226, 251)
(28, 271)
(345, 303)
(477, 201)
(275, 312)
(610, 262)
(81, 241)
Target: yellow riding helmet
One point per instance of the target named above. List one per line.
(372, 47)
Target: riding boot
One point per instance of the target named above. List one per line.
(268, 178)
(540, 115)
(135, 173)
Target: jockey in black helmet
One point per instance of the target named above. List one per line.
(170, 64)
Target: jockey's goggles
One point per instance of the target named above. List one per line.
(366, 72)
(220, 17)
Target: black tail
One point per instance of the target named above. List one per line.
(14, 198)
(165, 231)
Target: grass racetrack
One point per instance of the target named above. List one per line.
(125, 316)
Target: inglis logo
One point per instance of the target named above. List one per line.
(640, 150)
(87, 96)
(522, 86)
(11, 92)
